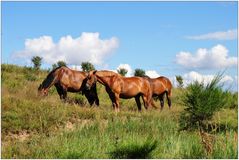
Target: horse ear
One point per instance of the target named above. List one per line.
(94, 71)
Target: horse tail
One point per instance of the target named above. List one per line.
(169, 91)
(169, 86)
(51, 78)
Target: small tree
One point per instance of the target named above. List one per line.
(180, 81)
(36, 60)
(58, 64)
(139, 72)
(54, 66)
(122, 71)
(201, 102)
(87, 66)
(61, 63)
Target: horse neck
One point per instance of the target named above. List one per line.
(50, 79)
(103, 79)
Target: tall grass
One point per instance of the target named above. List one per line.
(34, 127)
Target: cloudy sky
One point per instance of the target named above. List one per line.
(193, 39)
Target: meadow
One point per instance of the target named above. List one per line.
(37, 127)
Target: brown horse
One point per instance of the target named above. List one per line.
(118, 87)
(160, 86)
(67, 80)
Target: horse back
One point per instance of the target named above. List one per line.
(71, 79)
(138, 84)
(165, 81)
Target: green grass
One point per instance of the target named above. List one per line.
(54, 129)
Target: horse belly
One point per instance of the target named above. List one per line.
(158, 91)
(127, 96)
(129, 91)
(73, 89)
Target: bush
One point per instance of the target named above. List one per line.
(232, 100)
(87, 66)
(122, 71)
(36, 60)
(139, 72)
(201, 102)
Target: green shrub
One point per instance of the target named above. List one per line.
(30, 77)
(232, 100)
(201, 101)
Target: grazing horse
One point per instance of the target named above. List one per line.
(118, 87)
(67, 80)
(160, 86)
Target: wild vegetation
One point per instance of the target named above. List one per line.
(37, 127)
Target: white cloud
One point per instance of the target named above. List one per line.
(87, 47)
(222, 35)
(216, 57)
(195, 76)
(75, 67)
(152, 74)
(127, 67)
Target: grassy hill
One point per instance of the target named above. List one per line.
(36, 127)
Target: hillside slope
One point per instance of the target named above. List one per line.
(37, 127)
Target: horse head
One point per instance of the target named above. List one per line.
(42, 91)
(91, 79)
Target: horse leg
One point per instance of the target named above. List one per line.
(117, 99)
(112, 97)
(97, 101)
(96, 98)
(169, 99)
(153, 104)
(95, 95)
(161, 98)
(89, 97)
(138, 102)
(64, 95)
(59, 91)
(146, 101)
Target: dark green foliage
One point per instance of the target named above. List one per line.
(58, 64)
(122, 71)
(36, 60)
(180, 81)
(61, 63)
(54, 66)
(201, 101)
(134, 151)
(87, 66)
(232, 100)
(139, 72)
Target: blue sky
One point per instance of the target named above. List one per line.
(145, 35)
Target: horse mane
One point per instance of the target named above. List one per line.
(49, 79)
(145, 76)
